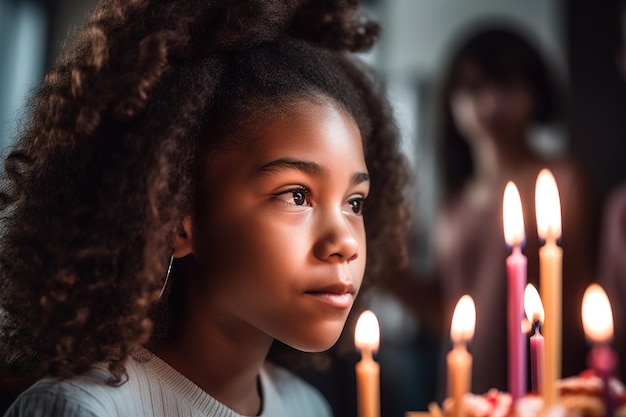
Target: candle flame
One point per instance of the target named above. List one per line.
(597, 314)
(513, 215)
(533, 305)
(367, 331)
(463, 320)
(548, 206)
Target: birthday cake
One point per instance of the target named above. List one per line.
(579, 396)
(585, 394)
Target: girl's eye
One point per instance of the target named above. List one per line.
(357, 205)
(296, 197)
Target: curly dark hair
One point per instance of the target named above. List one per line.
(109, 160)
(502, 53)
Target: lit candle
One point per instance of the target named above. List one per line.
(598, 325)
(459, 360)
(366, 339)
(514, 236)
(548, 208)
(535, 313)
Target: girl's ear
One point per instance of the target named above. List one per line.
(182, 239)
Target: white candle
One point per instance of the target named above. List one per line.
(459, 359)
(367, 339)
(548, 208)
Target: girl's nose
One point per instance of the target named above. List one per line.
(337, 241)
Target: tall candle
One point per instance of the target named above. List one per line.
(366, 339)
(459, 359)
(598, 325)
(514, 236)
(548, 208)
(535, 314)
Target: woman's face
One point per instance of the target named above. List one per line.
(280, 239)
(484, 109)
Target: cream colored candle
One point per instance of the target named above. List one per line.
(366, 339)
(459, 360)
(548, 208)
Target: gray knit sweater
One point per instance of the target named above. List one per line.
(156, 389)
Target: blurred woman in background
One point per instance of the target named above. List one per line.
(496, 90)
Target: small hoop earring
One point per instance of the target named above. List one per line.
(167, 276)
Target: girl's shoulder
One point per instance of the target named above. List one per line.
(286, 394)
(87, 395)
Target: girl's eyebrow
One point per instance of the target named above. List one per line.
(360, 177)
(309, 167)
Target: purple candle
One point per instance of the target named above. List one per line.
(514, 236)
(598, 325)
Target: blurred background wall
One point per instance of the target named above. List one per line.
(580, 39)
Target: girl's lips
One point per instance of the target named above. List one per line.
(335, 299)
(334, 288)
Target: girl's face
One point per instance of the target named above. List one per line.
(485, 109)
(280, 240)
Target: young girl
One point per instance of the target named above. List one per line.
(190, 186)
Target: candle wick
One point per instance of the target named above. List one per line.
(551, 237)
(460, 345)
(366, 354)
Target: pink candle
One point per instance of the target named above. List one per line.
(516, 271)
(537, 348)
(535, 313)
